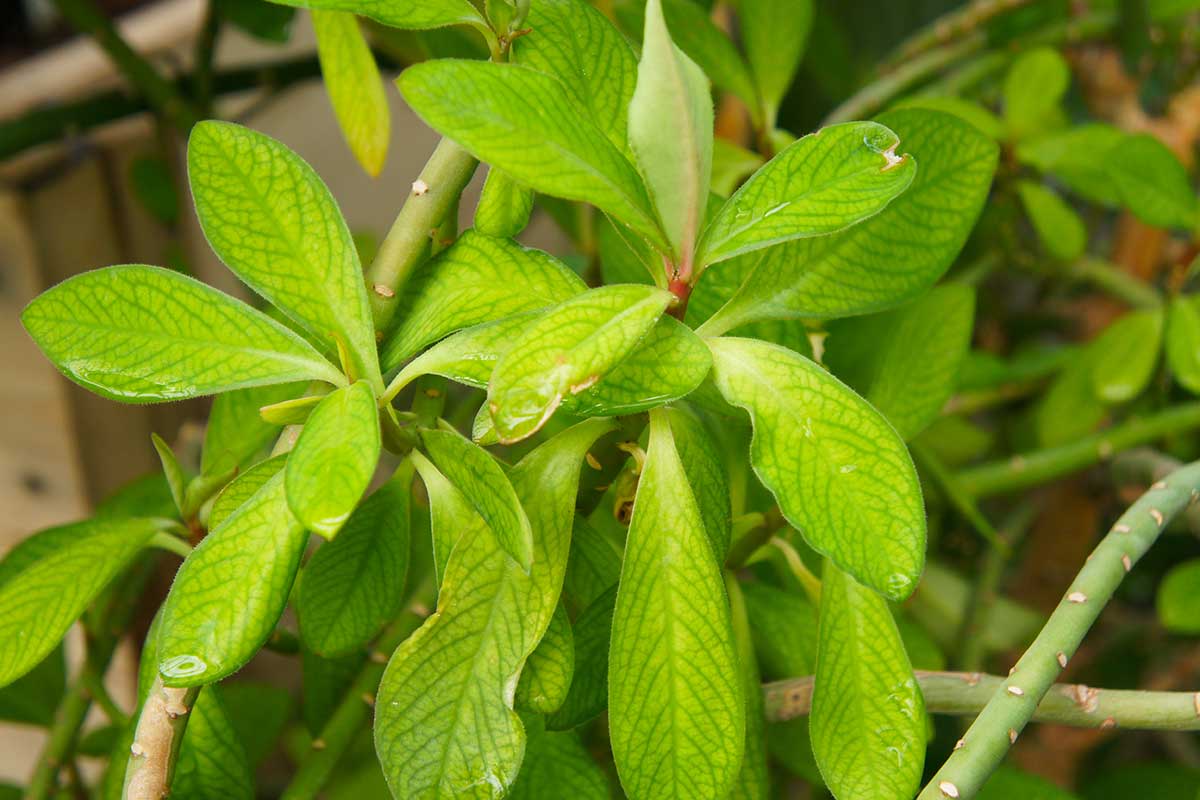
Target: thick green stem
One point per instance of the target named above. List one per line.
(162, 95)
(965, 693)
(351, 716)
(1042, 466)
(156, 741)
(1015, 701)
(407, 244)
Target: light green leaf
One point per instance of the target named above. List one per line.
(568, 350)
(231, 498)
(774, 35)
(1059, 228)
(34, 698)
(468, 356)
(549, 669)
(176, 478)
(235, 433)
(334, 459)
(577, 44)
(1033, 89)
(890, 258)
(483, 483)
(504, 206)
(412, 14)
(1183, 342)
(290, 412)
(523, 122)
(588, 693)
(274, 223)
(1078, 157)
(868, 716)
(51, 578)
(141, 334)
(212, 760)
(1179, 598)
(478, 279)
(231, 590)
(444, 721)
(731, 165)
(676, 712)
(354, 585)
(1152, 182)
(988, 123)
(905, 362)
(1070, 408)
(693, 31)
(557, 765)
(450, 514)
(704, 463)
(1125, 356)
(672, 96)
(784, 627)
(753, 781)
(820, 184)
(666, 365)
(355, 87)
(840, 472)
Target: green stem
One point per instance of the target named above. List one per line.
(351, 715)
(407, 244)
(1013, 704)
(162, 95)
(809, 582)
(94, 684)
(1117, 282)
(63, 734)
(948, 27)
(1042, 466)
(206, 49)
(156, 741)
(965, 693)
(959, 497)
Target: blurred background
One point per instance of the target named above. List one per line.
(91, 174)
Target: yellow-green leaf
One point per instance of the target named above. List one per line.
(355, 87)
(1183, 342)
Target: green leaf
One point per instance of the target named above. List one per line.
(577, 44)
(450, 514)
(820, 184)
(1033, 89)
(567, 350)
(50, 579)
(235, 433)
(258, 18)
(594, 566)
(885, 260)
(258, 712)
(212, 761)
(905, 362)
(468, 356)
(523, 122)
(672, 94)
(1059, 228)
(231, 590)
(1183, 342)
(504, 206)
(33, 698)
(588, 693)
(1078, 157)
(354, 585)
(666, 365)
(547, 675)
(676, 712)
(172, 471)
(355, 87)
(868, 716)
(784, 627)
(479, 477)
(1009, 782)
(1071, 407)
(411, 14)
(231, 498)
(557, 765)
(753, 781)
(774, 35)
(1152, 182)
(731, 165)
(478, 279)
(1179, 598)
(444, 721)
(704, 463)
(334, 459)
(693, 31)
(968, 110)
(326, 681)
(841, 474)
(142, 334)
(154, 186)
(274, 223)
(1125, 356)
(1161, 780)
